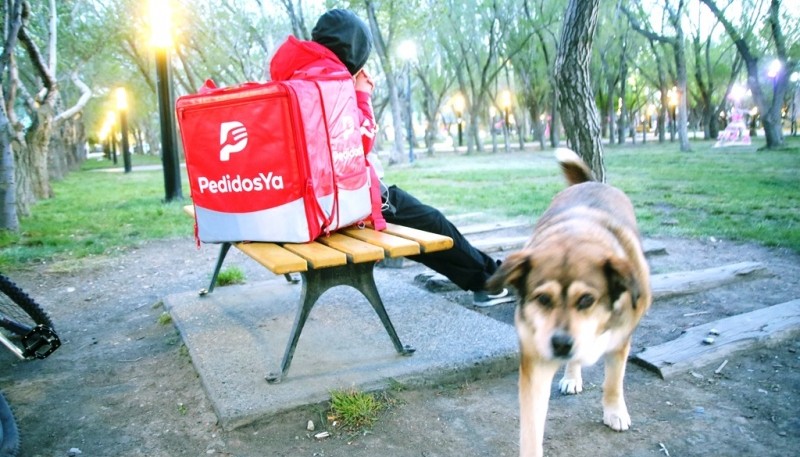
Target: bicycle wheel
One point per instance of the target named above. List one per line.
(24, 323)
(9, 441)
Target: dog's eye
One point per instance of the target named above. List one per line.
(585, 301)
(544, 300)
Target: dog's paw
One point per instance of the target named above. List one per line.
(617, 418)
(570, 386)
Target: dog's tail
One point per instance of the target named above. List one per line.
(575, 169)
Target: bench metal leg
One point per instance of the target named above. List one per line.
(315, 283)
(223, 251)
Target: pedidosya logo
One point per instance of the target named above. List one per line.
(262, 181)
(239, 137)
(342, 152)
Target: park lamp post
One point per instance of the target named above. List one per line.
(408, 52)
(737, 94)
(505, 104)
(672, 97)
(103, 136)
(794, 78)
(122, 109)
(161, 40)
(773, 71)
(111, 119)
(458, 106)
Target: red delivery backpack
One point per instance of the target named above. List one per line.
(280, 161)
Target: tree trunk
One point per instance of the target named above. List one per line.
(8, 192)
(24, 193)
(396, 155)
(576, 100)
(555, 119)
(683, 115)
(12, 20)
(37, 137)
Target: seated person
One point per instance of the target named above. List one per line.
(341, 40)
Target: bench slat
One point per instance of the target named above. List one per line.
(277, 259)
(393, 246)
(318, 255)
(429, 242)
(357, 251)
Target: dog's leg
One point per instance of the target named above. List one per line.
(535, 377)
(615, 413)
(572, 381)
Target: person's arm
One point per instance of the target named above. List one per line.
(364, 87)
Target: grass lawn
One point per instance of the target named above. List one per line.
(736, 193)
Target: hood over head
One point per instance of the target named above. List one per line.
(346, 35)
(295, 55)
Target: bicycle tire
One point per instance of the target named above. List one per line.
(9, 441)
(18, 306)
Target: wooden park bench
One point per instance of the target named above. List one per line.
(345, 257)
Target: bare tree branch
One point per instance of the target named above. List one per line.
(86, 94)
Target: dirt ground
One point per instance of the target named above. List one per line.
(123, 384)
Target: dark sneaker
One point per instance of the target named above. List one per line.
(484, 299)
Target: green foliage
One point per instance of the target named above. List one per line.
(354, 409)
(738, 193)
(95, 213)
(230, 276)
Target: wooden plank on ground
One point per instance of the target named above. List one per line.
(318, 255)
(492, 226)
(428, 242)
(689, 282)
(275, 258)
(357, 251)
(768, 325)
(497, 244)
(513, 243)
(393, 246)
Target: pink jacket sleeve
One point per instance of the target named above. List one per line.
(366, 120)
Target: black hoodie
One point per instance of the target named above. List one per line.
(346, 35)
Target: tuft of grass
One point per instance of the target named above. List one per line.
(354, 409)
(230, 276)
(165, 318)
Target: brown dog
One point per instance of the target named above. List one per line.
(583, 284)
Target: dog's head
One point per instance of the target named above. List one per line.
(577, 300)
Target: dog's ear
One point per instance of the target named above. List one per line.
(513, 270)
(619, 275)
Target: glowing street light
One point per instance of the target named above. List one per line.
(773, 72)
(407, 51)
(505, 104)
(111, 119)
(737, 94)
(122, 109)
(161, 40)
(774, 69)
(672, 100)
(459, 104)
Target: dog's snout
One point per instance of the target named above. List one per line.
(562, 344)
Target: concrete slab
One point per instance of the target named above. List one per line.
(238, 334)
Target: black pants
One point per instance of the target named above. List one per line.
(465, 265)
